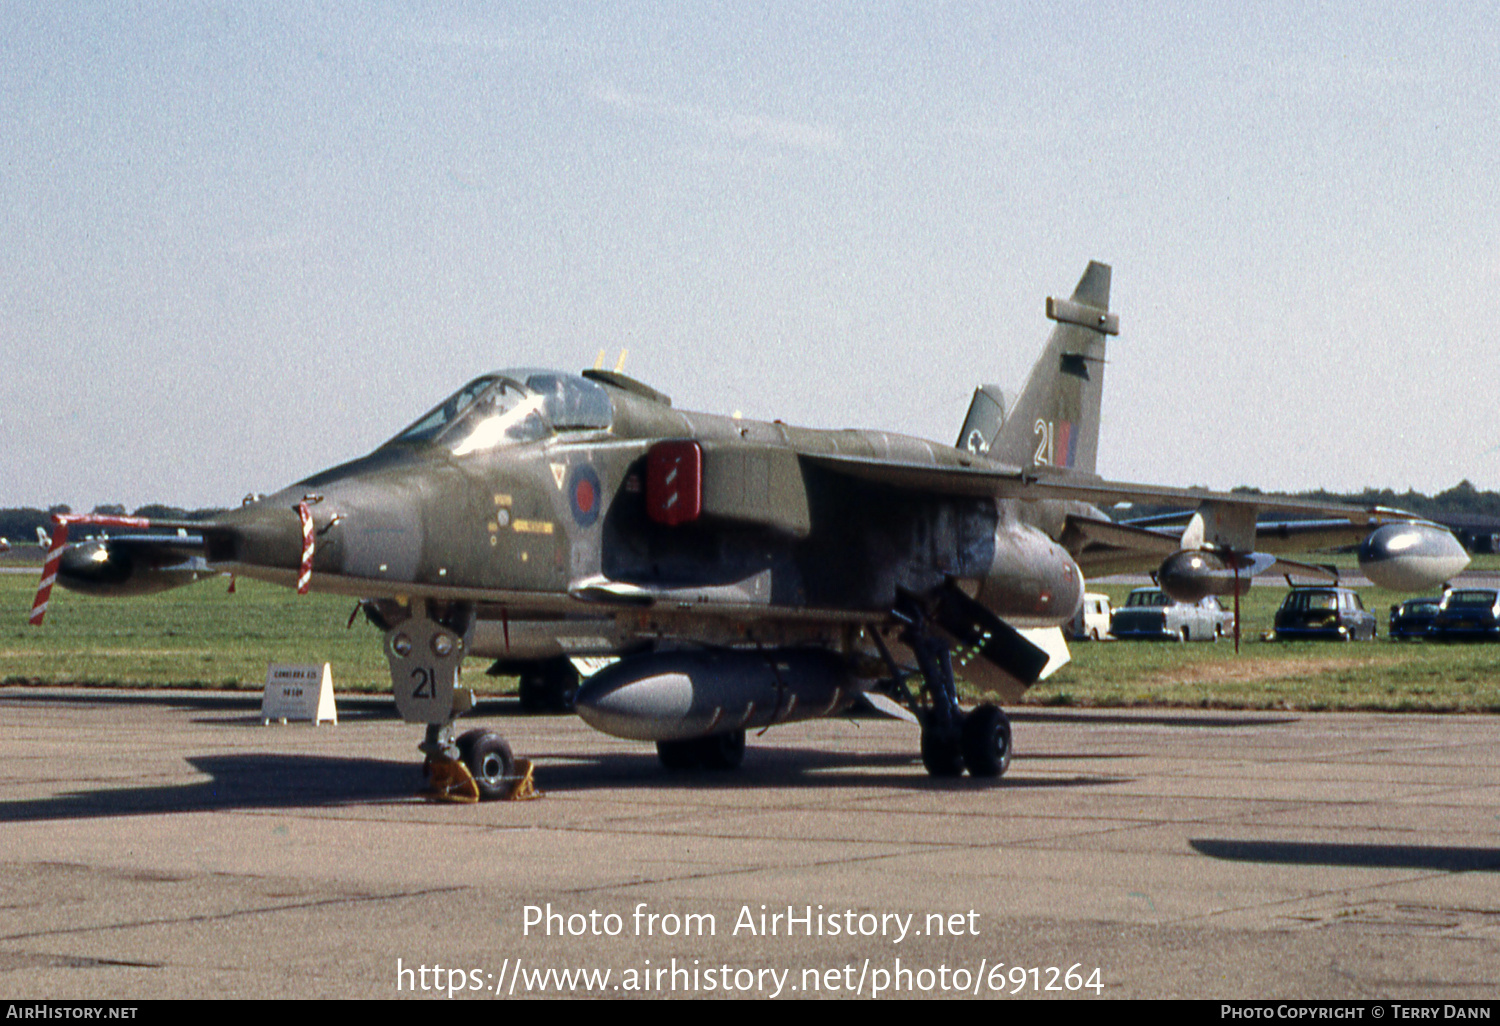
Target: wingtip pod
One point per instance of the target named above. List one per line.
(1411, 557)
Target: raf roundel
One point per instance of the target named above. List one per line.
(583, 495)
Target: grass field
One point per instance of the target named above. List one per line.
(198, 636)
(203, 637)
(1371, 676)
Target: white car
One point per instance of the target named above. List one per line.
(1151, 613)
(1092, 620)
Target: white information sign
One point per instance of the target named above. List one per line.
(299, 693)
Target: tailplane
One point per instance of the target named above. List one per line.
(1053, 425)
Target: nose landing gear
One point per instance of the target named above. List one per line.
(425, 656)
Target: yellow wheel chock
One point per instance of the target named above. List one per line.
(524, 788)
(449, 780)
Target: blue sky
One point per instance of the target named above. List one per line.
(241, 242)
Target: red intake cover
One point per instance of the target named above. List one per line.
(674, 482)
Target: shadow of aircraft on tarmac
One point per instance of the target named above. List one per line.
(236, 781)
(262, 781)
(773, 766)
(1374, 856)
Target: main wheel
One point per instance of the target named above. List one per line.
(489, 760)
(942, 751)
(715, 752)
(722, 751)
(678, 755)
(549, 687)
(986, 741)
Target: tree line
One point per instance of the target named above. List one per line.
(1461, 503)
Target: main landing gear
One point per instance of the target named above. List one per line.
(952, 740)
(715, 752)
(543, 686)
(425, 655)
(549, 686)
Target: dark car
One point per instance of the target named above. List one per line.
(1412, 618)
(1468, 614)
(1326, 612)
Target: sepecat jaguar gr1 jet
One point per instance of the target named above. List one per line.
(740, 574)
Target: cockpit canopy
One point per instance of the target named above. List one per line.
(510, 407)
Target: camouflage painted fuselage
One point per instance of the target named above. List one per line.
(562, 526)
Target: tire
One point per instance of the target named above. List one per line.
(721, 752)
(942, 750)
(985, 742)
(549, 687)
(678, 756)
(717, 752)
(490, 762)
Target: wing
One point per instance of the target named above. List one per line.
(976, 476)
(1102, 547)
(1397, 549)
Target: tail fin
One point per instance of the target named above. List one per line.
(1053, 425)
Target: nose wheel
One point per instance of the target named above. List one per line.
(489, 761)
(477, 767)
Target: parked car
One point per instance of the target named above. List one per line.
(1412, 618)
(1092, 621)
(1467, 614)
(1150, 613)
(1330, 613)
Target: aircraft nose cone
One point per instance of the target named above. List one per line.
(362, 527)
(264, 534)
